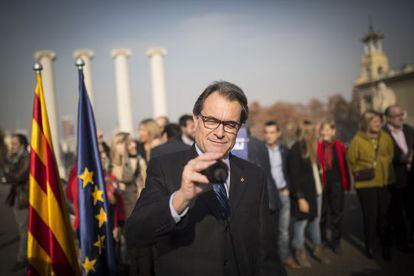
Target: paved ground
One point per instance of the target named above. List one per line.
(352, 263)
(8, 236)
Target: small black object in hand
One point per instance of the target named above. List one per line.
(217, 173)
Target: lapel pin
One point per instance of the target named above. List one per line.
(242, 179)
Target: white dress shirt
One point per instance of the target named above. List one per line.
(276, 166)
(399, 138)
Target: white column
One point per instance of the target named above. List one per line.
(46, 58)
(159, 97)
(123, 89)
(87, 56)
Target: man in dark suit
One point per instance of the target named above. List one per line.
(172, 134)
(402, 192)
(277, 153)
(187, 129)
(202, 228)
(259, 156)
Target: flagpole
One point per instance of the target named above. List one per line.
(50, 244)
(96, 238)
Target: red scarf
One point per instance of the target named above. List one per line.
(328, 155)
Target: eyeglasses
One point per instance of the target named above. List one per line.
(399, 115)
(213, 123)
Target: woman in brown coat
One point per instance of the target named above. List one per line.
(369, 157)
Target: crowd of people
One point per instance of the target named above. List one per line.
(306, 183)
(314, 174)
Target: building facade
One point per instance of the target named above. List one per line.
(379, 86)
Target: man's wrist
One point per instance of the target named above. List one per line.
(179, 202)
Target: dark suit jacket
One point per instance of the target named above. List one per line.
(171, 146)
(399, 160)
(259, 155)
(202, 243)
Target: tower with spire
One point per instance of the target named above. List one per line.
(379, 86)
(374, 62)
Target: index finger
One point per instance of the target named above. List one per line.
(209, 156)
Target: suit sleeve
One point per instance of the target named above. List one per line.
(151, 218)
(270, 263)
(285, 154)
(272, 192)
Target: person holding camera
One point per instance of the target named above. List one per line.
(369, 157)
(204, 225)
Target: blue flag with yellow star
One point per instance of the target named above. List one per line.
(95, 229)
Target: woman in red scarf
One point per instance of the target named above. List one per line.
(335, 180)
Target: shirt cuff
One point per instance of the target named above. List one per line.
(177, 217)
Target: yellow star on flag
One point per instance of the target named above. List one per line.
(89, 265)
(101, 217)
(97, 195)
(87, 177)
(100, 243)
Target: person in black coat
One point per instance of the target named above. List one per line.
(203, 228)
(17, 176)
(306, 190)
(187, 129)
(259, 156)
(172, 134)
(402, 192)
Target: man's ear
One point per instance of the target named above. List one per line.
(195, 120)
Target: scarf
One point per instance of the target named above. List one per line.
(328, 155)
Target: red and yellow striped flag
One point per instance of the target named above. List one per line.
(50, 243)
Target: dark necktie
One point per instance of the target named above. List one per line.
(221, 195)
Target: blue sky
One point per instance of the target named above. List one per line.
(281, 50)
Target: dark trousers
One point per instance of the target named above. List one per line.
(397, 214)
(274, 215)
(332, 212)
(409, 202)
(375, 204)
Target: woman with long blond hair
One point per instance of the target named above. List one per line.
(306, 190)
(123, 169)
(149, 134)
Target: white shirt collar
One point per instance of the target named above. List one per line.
(187, 140)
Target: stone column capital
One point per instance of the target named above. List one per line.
(45, 53)
(121, 52)
(156, 51)
(87, 53)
